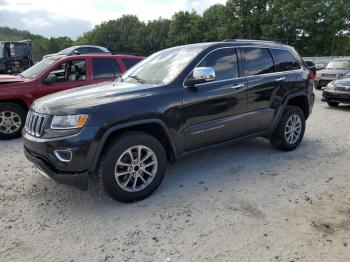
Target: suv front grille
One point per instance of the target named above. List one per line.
(342, 88)
(35, 124)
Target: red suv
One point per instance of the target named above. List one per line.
(54, 74)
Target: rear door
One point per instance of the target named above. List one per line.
(215, 111)
(271, 73)
(262, 83)
(68, 74)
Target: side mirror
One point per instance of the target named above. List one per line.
(76, 52)
(201, 75)
(50, 79)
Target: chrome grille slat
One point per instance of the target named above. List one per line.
(35, 124)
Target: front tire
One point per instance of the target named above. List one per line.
(290, 130)
(12, 120)
(333, 104)
(133, 166)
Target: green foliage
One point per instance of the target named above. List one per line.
(313, 27)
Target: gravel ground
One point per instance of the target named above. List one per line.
(243, 202)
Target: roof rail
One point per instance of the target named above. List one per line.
(249, 40)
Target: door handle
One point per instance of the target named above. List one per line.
(280, 79)
(236, 86)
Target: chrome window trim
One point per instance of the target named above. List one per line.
(244, 77)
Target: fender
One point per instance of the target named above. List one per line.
(285, 103)
(117, 127)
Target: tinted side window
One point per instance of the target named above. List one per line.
(224, 62)
(93, 50)
(81, 50)
(257, 61)
(102, 68)
(284, 60)
(130, 62)
(116, 67)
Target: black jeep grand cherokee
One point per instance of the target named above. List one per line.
(174, 102)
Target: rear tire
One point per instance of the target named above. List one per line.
(133, 156)
(290, 130)
(12, 120)
(333, 104)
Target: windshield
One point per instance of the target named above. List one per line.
(38, 68)
(1, 50)
(339, 64)
(163, 67)
(67, 51)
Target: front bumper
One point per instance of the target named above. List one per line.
(73, 172)
(335, 96)
(79, 180)
(322, 82)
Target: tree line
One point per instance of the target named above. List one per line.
(314, 28)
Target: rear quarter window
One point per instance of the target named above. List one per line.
(284, 60)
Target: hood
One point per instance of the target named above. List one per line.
(7, 79)
(342, 82)
(333, 71)
(85, 98)
(49, 55)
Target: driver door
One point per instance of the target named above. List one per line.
(67, 75)
(216, 111)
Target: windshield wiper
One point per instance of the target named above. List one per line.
(137, 79)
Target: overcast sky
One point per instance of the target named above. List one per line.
(73, 17)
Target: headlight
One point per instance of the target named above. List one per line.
(69, 121)
(330, 86)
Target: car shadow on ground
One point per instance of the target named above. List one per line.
(341, 107)
(205, 170)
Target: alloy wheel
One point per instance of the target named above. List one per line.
(136, 168)
(293, 129)
(10, 122)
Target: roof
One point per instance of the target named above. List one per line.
(101, 55)
(342, 59)
(237, 42)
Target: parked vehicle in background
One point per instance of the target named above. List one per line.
(319, 66)
(52, 75)
(337, 92)
(174, 102)
(15, 56)
(81, 49)
(335, 69)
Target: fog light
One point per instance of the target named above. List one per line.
(63, 155)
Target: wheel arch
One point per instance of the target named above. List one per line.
(17, 102)
(153, 127)
(300, 101)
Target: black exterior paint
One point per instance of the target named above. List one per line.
(191, 118)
